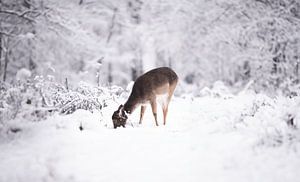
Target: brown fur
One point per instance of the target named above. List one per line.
(145, 89)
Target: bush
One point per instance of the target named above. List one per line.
(37, 99)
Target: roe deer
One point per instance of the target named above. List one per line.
(155, 85)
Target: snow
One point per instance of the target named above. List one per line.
(23, 74)
(53, 130)
(206, 138)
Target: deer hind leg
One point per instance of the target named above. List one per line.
(143, 108)
(165, 105)
(154, 110)
(165, 111)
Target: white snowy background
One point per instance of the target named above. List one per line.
(66, 66)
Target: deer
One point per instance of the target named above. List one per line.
(154, 86)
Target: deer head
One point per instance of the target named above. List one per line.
(119, 117)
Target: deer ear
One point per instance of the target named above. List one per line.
(121, 106)
(120, 110)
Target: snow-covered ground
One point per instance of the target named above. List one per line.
(208, 138)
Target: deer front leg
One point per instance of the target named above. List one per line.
(143, 108)
(154, 110)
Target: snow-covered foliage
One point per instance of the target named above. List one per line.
(271, 121)
(35, 100)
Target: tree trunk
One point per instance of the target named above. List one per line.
(170, 62)
(0, 44)
(5, 66)
(141, 66)
(31, 63)
(110, 78)
(66, 84)
(133, 73)
(0, 52)
(297, 70)
(111, 28)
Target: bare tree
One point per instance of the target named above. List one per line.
(17, 23)
(112, 25)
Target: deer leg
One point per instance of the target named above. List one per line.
(165, 112)
(154, 110)
(166, 103)
(143, 108)
(165, 107)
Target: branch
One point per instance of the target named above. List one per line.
(7, 34)
(29, 4)
(21, 15)
(30, 11)
(222, 14)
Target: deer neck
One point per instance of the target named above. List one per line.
(130, 105)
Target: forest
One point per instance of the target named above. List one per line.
(66, 66)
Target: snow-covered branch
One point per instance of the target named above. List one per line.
(20, 15)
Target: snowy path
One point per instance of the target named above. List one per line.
(199, 143)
